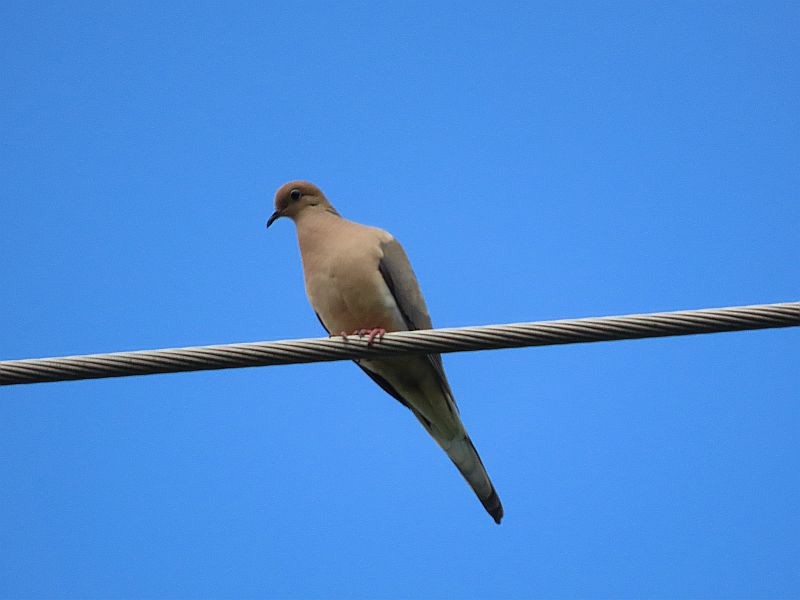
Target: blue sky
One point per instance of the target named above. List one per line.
(537, 160)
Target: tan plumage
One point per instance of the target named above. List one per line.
(359, 277)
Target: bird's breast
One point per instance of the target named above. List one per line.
(348, 292)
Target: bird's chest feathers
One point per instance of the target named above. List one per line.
(346, 288)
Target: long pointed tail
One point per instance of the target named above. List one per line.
(465, 457)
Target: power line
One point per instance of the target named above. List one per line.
(458, 339)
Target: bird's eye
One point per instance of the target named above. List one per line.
(295, 194)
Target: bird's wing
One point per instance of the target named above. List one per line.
(399, 276)
(446, 429)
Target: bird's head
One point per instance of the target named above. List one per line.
(298, 196)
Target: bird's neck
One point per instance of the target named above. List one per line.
(314, 226)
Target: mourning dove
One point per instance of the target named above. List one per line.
(358, 280)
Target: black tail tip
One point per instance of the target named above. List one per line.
(497, 515)
(493, 507)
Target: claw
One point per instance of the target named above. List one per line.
(375, 332)
(378, 332)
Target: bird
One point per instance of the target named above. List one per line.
(359, 280)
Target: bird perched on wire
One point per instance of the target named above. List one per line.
(359, 281)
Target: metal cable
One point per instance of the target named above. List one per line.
(487, 337)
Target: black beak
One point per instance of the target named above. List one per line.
(275, 216)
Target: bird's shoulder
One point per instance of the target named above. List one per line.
(376, 234)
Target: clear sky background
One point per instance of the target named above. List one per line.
(538, 161)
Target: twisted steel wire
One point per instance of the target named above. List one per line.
(460, 339)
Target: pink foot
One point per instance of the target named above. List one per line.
(376, 332)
